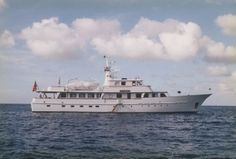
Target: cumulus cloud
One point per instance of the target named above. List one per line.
(6, 39)
(128, 46)
(218, 71)
(218, 52)
(227, 24)
(89, 28)
(229, 85)
(170, 39)
(52, 38)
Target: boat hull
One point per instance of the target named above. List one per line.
(189, 103)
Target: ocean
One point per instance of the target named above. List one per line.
(210, 133)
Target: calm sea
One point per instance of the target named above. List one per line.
(211, 133)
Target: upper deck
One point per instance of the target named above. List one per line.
(123, 86)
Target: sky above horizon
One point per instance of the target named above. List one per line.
(187, 45)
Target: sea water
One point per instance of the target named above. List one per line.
(210, 133)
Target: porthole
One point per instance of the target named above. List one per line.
(90, 106)
(72, 106)
(48, 105)
(63, 105)
(97, 106)
(81, 106)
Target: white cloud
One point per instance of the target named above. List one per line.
(2, 4)
(6, 39)
(89, 28)
(170, 39)
(229, 85)
(218, 52)
(51, 38)
(128, 46)
(227, 24)
(218, 71)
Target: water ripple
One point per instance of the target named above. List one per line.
(211, 133)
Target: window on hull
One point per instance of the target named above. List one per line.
(63, 95)
(99, 95)
(81, 95)
(90, 95)
(72, 95)
(128, 95)
(119, 95)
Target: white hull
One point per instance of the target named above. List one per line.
(189, 103)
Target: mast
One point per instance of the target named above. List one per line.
(108, 72)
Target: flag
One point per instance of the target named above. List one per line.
(35, 86)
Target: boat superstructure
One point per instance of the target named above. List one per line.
(115, 95)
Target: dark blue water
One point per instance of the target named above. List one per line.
(211, 133)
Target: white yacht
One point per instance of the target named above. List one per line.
(115, 95)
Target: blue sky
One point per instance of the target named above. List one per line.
(187, 45)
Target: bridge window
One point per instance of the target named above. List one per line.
(139, 83)
(133, 83)
(123, 83)
(155, 94)
(145, 95)
(99, 95)
(162, 95)
(138, 95)
(63, 95)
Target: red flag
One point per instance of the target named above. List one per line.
(35, 86)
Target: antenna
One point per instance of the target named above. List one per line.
(107, 61)
(59, 81)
